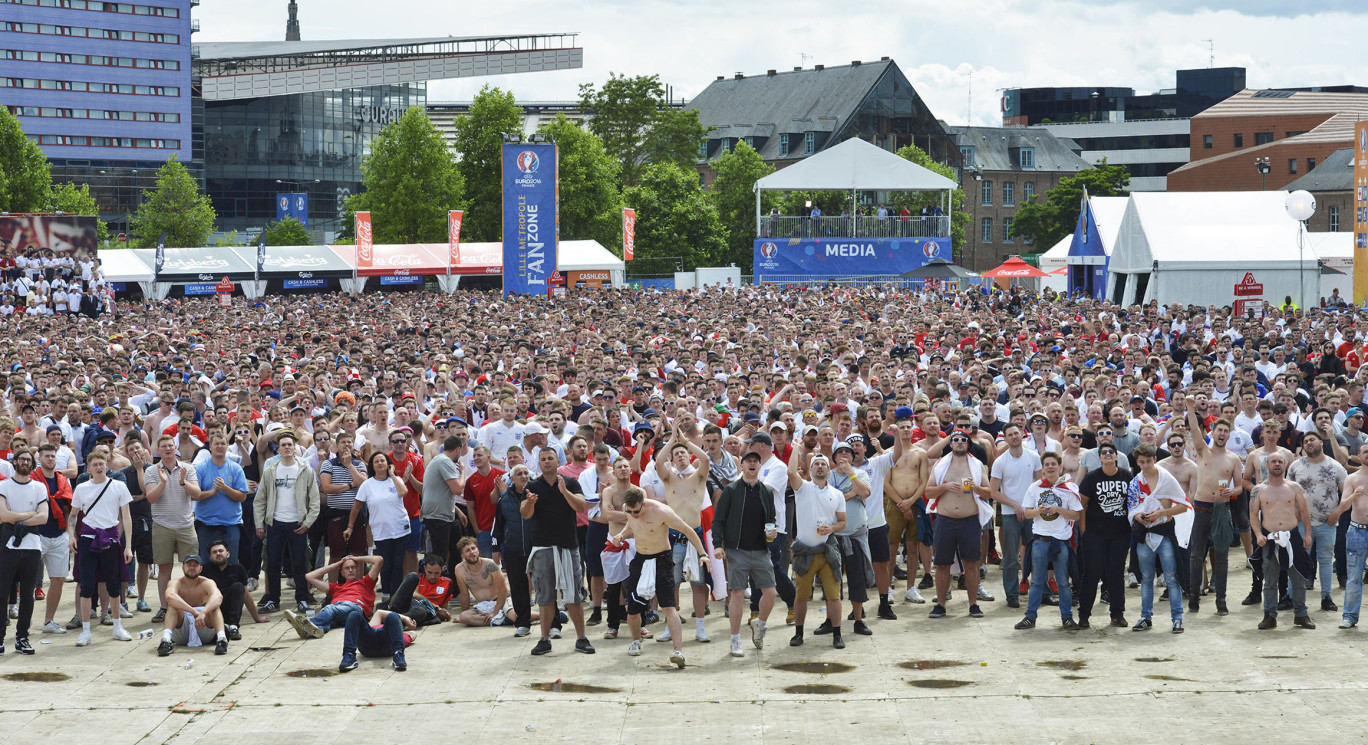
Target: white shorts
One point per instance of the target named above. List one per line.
(56, 555)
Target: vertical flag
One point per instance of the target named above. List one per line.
(161, 252)
(531, 223)
(1360, 153)
(261, 255)
(628, 233)
(364, 247)
(454, 239)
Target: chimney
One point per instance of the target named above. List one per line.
(798, 69)
(721, 77)
(292, 25)
(854, 63)
(819, 67)
(771, 73)
(740, 76)
(883, 59)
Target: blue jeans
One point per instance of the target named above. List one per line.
(1355, 553)
(333, 616)
(782, 584)
(1049, 553)
(1168, 559)
(231, 535)
(1324, 538)
(361, 637)
(485, 540)
(278, 536)
(1014, 532)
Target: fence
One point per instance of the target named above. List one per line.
(781, 226)
(891, 281)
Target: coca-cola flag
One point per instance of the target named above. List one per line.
(365, 250)
(628, 233)
(454, 238)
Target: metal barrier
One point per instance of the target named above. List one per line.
(891, 281)
(854, 227)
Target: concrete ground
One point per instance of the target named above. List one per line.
(915, 680)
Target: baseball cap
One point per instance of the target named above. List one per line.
(1353, 411)
(841, 445)
(778, 425)
(750, 454)
(192, 557)
(810, 428)
(534, 428)
(751, 416)
(760, 438)
(902, 412)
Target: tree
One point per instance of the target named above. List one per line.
(636, 128)
(590, 206)
(411, 181)
(733, 193)
(25, 177)
(76, 200)
(675, 217)
(1045, 219)
(915, 200)
(287, 232)
(479, 140)
(175, 207)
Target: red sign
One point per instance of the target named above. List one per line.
(556, 279)
(1247, 287)
(1249, 307)
(364, 241)
(454, 237)
(628, 233)
(224, 286)
(122, 237)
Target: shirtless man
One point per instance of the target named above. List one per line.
(194, 601)
(375, 435)
(1281, 521)
(1072, 451)
(686, 490)
(1215, 470)
(649, 522)
(903, 486)
(479, 579)
(1355, 500)
(1255, 473)
(610, 509)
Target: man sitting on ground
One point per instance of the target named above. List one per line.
(355, 593)
(432, 587)
(193, 616)
(479, 579)
(231, 580)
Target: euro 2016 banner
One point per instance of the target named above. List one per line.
(780, 260)
(1360, 152)
(531, 224)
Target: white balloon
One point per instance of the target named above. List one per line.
(1300, 205)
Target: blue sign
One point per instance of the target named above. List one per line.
(401, 280)
(305, 284)
(200, 288)
(292, 205)
(781, 259)
(531, 224)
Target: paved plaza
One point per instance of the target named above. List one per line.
(916, 680)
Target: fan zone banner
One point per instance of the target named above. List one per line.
(531, 228)
(790, 259)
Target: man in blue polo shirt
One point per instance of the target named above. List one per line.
(223, 487)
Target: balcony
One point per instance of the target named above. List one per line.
(854, 227)
(194, 25)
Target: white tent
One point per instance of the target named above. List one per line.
(1107, 213)
(854, 165)
(571, 256)
(1194, 247)
(123, 265)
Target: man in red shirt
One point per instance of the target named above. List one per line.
(408, 466)
(432, 586)
(481, 490)
(355, 593)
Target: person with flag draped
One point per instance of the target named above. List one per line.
(1152, 501)
(1054, 497)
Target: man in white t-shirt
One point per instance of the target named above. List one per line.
(820, 512)
(1052, 504)
(501, 435)
(25, 502)
(287, 504)
(103, 545)
(1012, 474)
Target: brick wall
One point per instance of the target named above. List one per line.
(1240, 174)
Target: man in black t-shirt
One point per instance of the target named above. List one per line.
(141, 512)
(231, 580)
(553, 501)
(1104, 540)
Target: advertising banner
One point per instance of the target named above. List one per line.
(201, 288)
(790, 259)
(365, 243)
(48, 232)
(454, 238)
(292, 205)
(531, 225)
(628, 233)
(305, 284)
(1360, 153)
(400, 280)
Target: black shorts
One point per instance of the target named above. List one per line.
(956, 537)
(664, 587)
(142, 539)
(878, 545)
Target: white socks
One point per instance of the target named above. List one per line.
(166, 635)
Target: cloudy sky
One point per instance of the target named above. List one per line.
(939, 45)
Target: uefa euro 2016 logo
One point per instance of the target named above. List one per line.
(768, 250)
(528, 162)
(929, 249)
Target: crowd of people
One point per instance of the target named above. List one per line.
(380, 463)
(44, 282)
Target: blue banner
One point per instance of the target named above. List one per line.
(118, 286)
(294, 205)
(410, 280)
(1087, 258)
(200, 288)
(305, 284)
(531, 224)
(787, 259)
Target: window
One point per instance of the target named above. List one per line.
(723, 145)
(986, 198)
(967, 156)
(1206, 142)
(750, 141)
(809, 143)
(1027, 191)
(1291, 165)
(1239, 139)
(1008, 193)
(1263, 138)
(1027, 157)
(1006, 230)
(986, 235)
(1334, 218)
(703, 150)
(783, 146)
(1310, 164)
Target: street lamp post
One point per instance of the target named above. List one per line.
(1301, 205)
(1263, 166)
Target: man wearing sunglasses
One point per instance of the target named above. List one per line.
(958, 480)
(408, 466)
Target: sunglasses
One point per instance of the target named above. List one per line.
(400, 441)
(959, 439)
(1073, 434)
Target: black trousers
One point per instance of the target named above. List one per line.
(233, 597)
(1102, 557)
(24, 567)
(444, 536)
(515, 566)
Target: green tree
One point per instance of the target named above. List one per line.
(176, 207)
(915, 200)
(590, 206)
(636, 128)
(479, 140)
(1046, 218)
(287, 232)
(76, 200)
(24, 174)
(411, 182)
(675, 217)
(733, 193)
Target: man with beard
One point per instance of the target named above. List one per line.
(1104, 537)
(1217, 471)
(958, 481)
(686, 493)
(193, 616)
(1321, 479)
(231, 580)
(482, 588)
(1281, 521)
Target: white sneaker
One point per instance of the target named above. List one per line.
(52, 627)
(1131, 581)
(701, 636)
(13, 611)
(984, 594)
(121, 634)
(151, 573)
(664, 636)
(677, 659)
(555, 633)
(736, 648)
(1347, 624)
(634, 649)
(132, 592)
(83, 640)
(521, 631)
(914, 595)
(251, 584)
(758, 633)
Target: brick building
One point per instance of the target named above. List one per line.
(1332, 184)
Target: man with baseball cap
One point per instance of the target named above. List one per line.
(193, 617)
(774, 474)
(743, 526)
